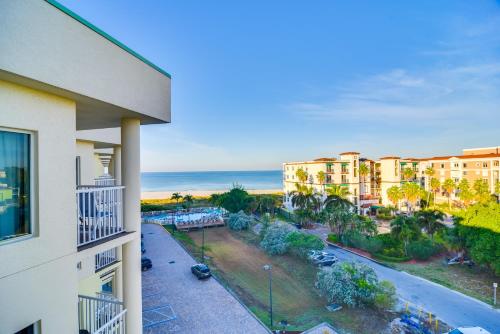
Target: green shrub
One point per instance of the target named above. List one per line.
(152, 207)
(423, 249)
(300, 243)
(358, 240)
(239, 221)
(275, 239)
(333, 238)
(385, 297)
(385, 217)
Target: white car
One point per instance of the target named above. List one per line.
(314, 253)
(469, 330)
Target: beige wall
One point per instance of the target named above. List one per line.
(50, 255)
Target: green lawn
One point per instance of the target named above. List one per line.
(237, 261)
(474, 282)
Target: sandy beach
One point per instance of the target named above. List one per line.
(168, 194)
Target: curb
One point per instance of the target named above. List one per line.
(364, 256)
(231, 292)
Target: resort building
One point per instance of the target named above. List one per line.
(369, 191)
(73, 100)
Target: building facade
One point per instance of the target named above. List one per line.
(73, 101)
(370, 190)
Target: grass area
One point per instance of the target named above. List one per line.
(475, 282)
(237, 261)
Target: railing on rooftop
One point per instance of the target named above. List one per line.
(101, 315)
(105, 258)
(99, 212)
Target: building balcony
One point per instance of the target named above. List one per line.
(102, 315)
(105, 259)
(104, 181)
(99, 213)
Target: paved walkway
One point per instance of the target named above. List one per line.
(186, 304)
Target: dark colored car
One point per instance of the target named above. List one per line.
(143, 249)
(146, 264)
(201, 271)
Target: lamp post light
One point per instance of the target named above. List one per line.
(202, 241)
(495, 286)
(268, 268)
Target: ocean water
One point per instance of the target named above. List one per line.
(188, 181)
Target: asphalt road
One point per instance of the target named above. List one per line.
(452, 307)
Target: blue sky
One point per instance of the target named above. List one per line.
(257, 83)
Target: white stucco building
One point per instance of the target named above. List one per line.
(72, 103)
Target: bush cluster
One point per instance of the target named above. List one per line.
(423, 249)
(300, 243)
(355, 284)
(361, 241)
(239, 221)
(275, 238)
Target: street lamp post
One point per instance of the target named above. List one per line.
(202, 241)
(268, 268)
(495, 286)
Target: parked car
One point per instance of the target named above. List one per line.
(314, 253)
(146, 264)
(143, 249)
(325, 260)
(201, 271)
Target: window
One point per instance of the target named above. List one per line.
(15, 185)
(442, 165)
(465, 165)
(465, 172)
(485, 164)
(496, 163)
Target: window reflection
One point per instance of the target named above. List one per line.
(14, 185)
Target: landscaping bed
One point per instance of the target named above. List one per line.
(237, 261)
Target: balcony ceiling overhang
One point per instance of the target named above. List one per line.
(49, 48)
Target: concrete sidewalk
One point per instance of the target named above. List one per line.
(186, 304)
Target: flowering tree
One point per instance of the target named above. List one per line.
(275, 238)
(239, 221)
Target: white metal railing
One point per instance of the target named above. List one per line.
(99, 212)
(101, 315)
(105, 258)
(104, 181)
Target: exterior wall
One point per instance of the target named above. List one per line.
(483, 150)
(50, 255)
(390, 175)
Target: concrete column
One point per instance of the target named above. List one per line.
(117, 155)
(119, 275)
(131, 179)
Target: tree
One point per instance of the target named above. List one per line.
(301, 175)
(176, 197)
(482, 191)
(239, 221)
(188, 202)
(354, 285)
(321, 176)
(395, 195)
(301, 243)
(265, 204)
(337, 190)
(275, 238)
(429, 172)
(431, 221)
(411, 192)
(215, 199)
(449, 186)
(364, 170)
(236, 199)
(465, 192)
(404, 228)
(408, 173)
(306, 201)
(497, 190)
(435, 186)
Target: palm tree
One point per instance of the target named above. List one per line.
(395, 195)
(337, 198)
(301, 175)
(408, 173)
(305, 200)
(482, 191)
(321, 176)
(364, 170)
(188, 201)
(176, 197)
(411, 192)
(435, 186)
(336, 190)
(404, 228)
(431, 221)
(448, 186)
(429, 172)
(465, 192)
(266, 204)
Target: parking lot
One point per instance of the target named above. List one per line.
(174, 301)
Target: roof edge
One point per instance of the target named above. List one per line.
(89, 25)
